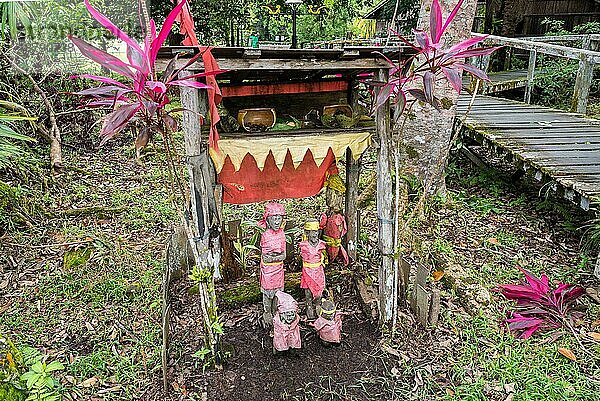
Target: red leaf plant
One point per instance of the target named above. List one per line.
(438, 63)
(143, 97)
(538, 306)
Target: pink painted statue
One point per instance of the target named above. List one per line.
(312, 250)
(333, 223)
(286, 324)
(329, 323)
(272, 245)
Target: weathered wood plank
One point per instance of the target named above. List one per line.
(530, 75)
(543, 48)
(387, 300)
(556, 145)
(352, 218)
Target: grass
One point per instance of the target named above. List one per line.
(536, 371)
(96, 306)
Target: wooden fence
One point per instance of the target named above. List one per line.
(587, 56)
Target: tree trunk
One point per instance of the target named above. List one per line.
(426, 138)
(53, 135)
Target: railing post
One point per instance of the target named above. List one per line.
(530, 75)
(582, 84)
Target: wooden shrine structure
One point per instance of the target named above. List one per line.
(292, 81)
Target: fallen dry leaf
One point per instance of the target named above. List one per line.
(594, 336)
(567, 353)
(450, 392)
(91, 382)
(438, 274)
(493, 241)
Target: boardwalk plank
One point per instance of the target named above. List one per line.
(562, 145)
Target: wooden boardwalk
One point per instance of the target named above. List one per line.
(501, 81)
(561, 149)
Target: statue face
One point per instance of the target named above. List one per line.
(313, 237)
(334, 200)
(274, 222)
(288, 317)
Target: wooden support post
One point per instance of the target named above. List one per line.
(387, 292)
(583, 81)
(508, 59)
(352, 176)
(203, 214)
(530, 75)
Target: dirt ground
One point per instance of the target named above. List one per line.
(252, 372)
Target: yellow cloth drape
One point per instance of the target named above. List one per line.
(259, 148)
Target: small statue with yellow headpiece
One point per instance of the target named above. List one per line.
(312, 251)
(329, 323)
(333, 222)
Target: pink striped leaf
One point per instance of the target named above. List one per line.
(471, 69)
(435, 21)
(164, 31)
(454, 77)
(100, 90)
(98, 78)
(190, 84)
(481, 51)
(101, 57)
(538, 284)
(428, 86)
(465, 44)
(422, 39)
(134, 51)
(118, 120)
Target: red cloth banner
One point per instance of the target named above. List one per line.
(249, 184)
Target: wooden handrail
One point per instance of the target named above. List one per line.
(545, 48)
(587, 60)
(563, 38)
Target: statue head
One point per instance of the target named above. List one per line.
(287, 317)
(328, 309)
(274, 221)
(286, 307)
(311, 231)
(273, 216)
(335, 194)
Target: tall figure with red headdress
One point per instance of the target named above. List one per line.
(333, 223)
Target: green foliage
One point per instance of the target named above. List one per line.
(554, 27)
(8, 136)
(407, 14)
(592, 228)
(199, 275)
(14, 16)
(40, 383)
(587, 28)
(16, 207)
(25, 376)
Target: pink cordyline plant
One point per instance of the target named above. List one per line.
(439, 62)
(143, 97)
(538, 306)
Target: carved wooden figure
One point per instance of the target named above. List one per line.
(312, 250)
(333, 223)
(273, 253)
(329, 323)
(286, 327)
